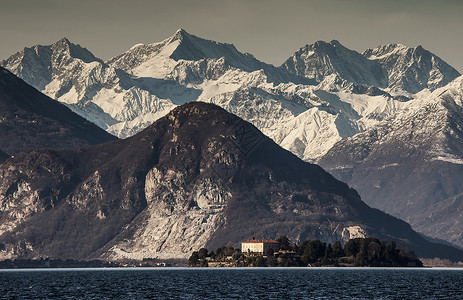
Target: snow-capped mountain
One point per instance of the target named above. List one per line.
(40, 64)
(319, 60)
(411, 69)
(130, 91)
(159, 60)
(411, 164)
(72, 75)
(396, 68)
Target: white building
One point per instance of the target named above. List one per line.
(259, 246)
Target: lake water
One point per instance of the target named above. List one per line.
(233, 283)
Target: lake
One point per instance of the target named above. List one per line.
(233, 283)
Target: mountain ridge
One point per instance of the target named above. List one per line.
(394, 67)
(122, 104)
(175, 187)
(412, 69)
(31, 120)
(322, 59)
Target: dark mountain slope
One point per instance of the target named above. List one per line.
(31, 120)
(197, 177)
(411, 166)
(3, 156)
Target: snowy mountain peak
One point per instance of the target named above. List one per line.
(73, 50)
(38, 65)
(191, 47)
(411, 69)
(321, 46)
(180, 46)
(63, 41)
(322, 59)
(180, 31)
(395, 67)
(160, 59)
(181, 34)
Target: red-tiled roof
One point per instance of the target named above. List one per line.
(261, 241)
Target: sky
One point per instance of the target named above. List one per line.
(271, 30)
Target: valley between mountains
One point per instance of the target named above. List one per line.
(387, 122)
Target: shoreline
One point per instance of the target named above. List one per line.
(221, 268)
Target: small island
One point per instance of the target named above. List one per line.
(358, 252)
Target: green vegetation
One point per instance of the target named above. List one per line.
(359, 252)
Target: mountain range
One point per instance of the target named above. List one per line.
(362, 116)
(199, 176)
(393, 67)
(303, 112)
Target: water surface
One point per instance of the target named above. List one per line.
(233, 283)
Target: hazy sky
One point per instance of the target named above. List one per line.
(271, 30)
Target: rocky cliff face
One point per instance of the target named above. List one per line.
(198, 177)
(30, 120)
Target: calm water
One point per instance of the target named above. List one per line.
(233, 284)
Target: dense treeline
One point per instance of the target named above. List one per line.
(54, 263)
(44, 263)
(359, 252)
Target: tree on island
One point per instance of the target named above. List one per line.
(284, 242)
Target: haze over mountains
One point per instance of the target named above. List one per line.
(362, 116)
